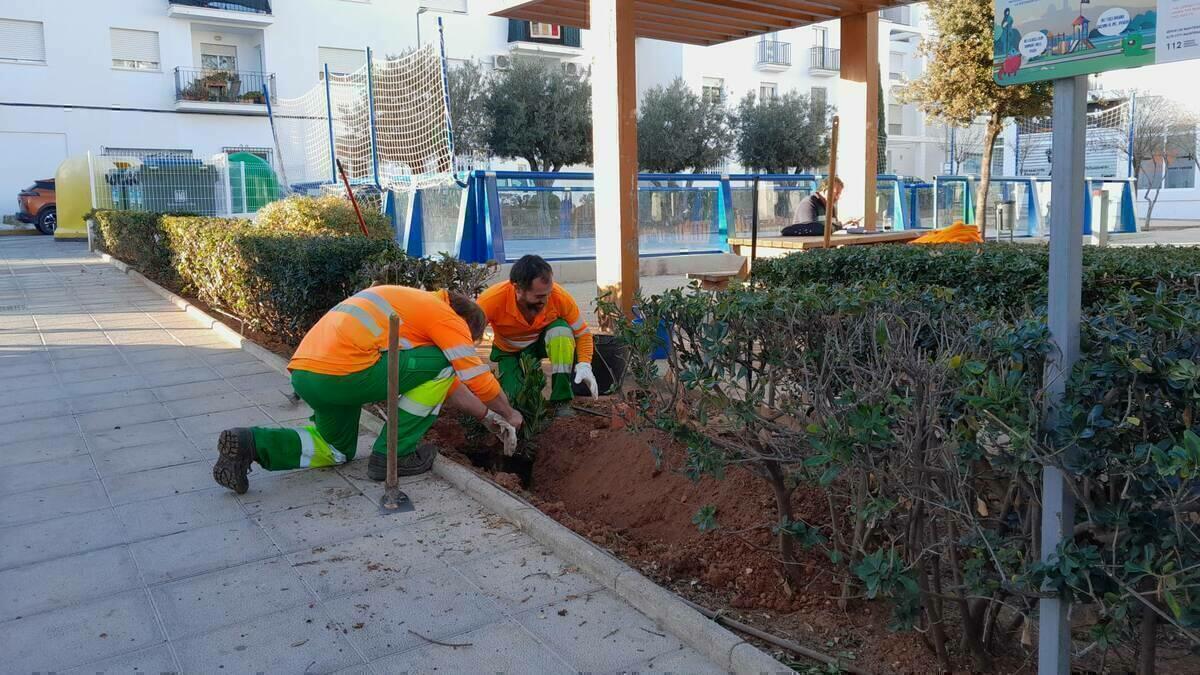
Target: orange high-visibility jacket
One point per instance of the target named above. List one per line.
(513, 333)
(353, 335)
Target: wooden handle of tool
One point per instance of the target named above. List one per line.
(393, 397)
(833, 141)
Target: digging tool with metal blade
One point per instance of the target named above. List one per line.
(393, 500)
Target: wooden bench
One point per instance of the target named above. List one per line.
(718, 281)
(778, 245)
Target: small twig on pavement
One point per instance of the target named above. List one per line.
(536, 574)
(610, 633)
(438, 642)
(653, 632)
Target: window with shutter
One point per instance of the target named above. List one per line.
(22, 41)
(340, 61)
(544, 31)
(134, 49)
(218, 57)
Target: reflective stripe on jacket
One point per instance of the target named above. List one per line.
(513, 333)
(352, 335)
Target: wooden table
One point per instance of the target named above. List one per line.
(741, 245)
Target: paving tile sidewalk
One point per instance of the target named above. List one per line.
(118, 552)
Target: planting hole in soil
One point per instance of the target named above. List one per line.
(627, 493)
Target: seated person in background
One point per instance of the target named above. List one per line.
(810, 215)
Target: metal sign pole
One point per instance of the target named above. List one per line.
(1066, 273)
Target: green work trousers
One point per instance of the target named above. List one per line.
(557, 342)
(336, 400)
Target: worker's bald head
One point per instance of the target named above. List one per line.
(471, 313)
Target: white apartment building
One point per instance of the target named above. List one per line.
(137, 76)
(808, 60)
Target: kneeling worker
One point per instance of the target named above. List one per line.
(530, 314)
(342, 364)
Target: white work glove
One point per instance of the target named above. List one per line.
(506, 432)
(583, 373)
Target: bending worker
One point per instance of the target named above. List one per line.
(341, 364)
(530, 314)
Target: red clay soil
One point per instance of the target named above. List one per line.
(605, 484)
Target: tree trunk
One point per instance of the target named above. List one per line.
(783, 508)
(994, 126)
(1150, 202)
(1146, 644)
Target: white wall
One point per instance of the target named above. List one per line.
(59, 100)
(658, 64)
(84, 103)
(40, 155)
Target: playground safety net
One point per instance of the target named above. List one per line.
(387, 123)
(1107, 142)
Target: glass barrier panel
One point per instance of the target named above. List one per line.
(778, 201)
(554, 218)
(440, 214)
(924, 215)
(679, 216)
(1017, 192)
(885, 205)
(951, 196)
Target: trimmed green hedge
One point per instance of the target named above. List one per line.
(280, 282)
(320, 215)
(995, 274)
(137, 239)
(919, 416)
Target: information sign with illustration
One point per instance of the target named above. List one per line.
(1047, 39)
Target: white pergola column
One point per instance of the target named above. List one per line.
(614, 147)
(858, 108)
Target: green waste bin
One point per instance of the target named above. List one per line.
(254, 186)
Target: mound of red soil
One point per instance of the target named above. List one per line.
(628, 493)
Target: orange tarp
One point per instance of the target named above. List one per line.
(958, 233)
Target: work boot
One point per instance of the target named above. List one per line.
(412, 464)
(236, 449)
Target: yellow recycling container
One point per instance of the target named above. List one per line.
(73, 194)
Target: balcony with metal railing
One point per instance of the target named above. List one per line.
(234, 12)
(824, 61)
(222, 91)
(773, 55)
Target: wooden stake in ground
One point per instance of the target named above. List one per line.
(393, 500)
(833, 141)
(362, 224)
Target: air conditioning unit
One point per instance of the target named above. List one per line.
(502, 62)
(573, 69)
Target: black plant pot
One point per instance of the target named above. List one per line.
(608, 365)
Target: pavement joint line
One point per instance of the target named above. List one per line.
(666, 609)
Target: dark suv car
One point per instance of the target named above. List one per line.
(37, 206)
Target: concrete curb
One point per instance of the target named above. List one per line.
(726, 649)
(723, 647)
